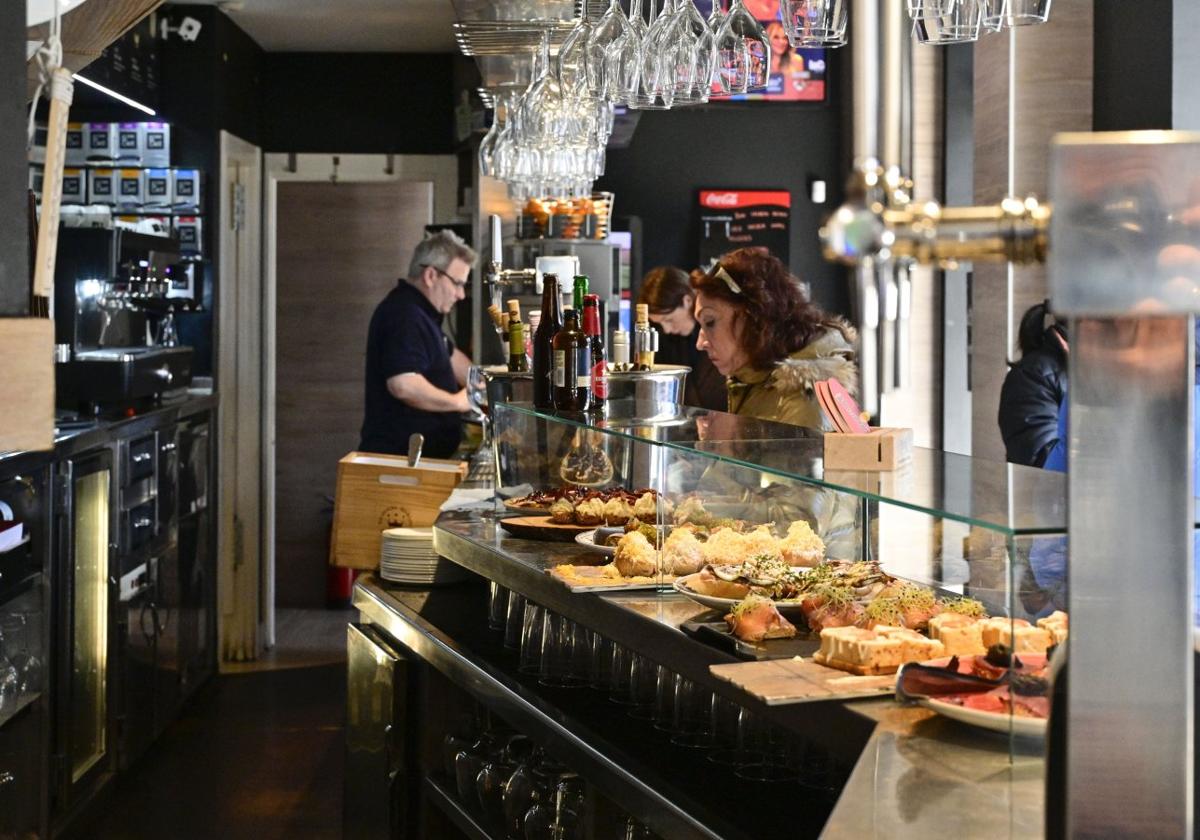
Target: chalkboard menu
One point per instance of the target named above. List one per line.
(742, 219)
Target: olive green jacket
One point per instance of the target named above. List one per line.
(785, 393)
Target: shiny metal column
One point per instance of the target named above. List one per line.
(1125, 265)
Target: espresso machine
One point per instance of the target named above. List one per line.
(114, 311)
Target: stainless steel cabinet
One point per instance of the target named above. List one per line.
(376, 703)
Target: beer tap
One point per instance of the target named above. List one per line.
(498, 277)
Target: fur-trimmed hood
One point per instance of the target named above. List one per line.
(829, 356)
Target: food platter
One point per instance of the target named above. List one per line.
(580, 578)
(594, 540)
(1003, 721)
(541, 528)
(525, 509)
(713, 629)
(1026, 727)
(787, 608)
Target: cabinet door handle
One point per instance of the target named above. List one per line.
(141, 522)
(168, 447)
(6, 778)
(139, 457)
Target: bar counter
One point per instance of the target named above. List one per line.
(914, 773)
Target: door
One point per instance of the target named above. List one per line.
(83, 736)
(239, 376)
(194, 618)
(135, 655)
(340, 248)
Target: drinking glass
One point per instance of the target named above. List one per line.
(625, 57)
(953, 22)
(10, 685)
(572, 55)
(497, 606)
(643, 687)
(21, 654)
(601, 68)
(779, 750)
(743, 55)
(622, 667)
(694, 55)
(561, 647)
(816, 23)
(487, 146)
(658, 65)
(600, 663)
(514, 621)
(998, 14)
(748, 747)
(532, 628)
(692, 715)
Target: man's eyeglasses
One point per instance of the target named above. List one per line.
(461, 284)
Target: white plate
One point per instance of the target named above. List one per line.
(786, 608)
(588, 540)
(1027, 727)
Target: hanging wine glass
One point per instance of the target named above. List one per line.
(658, 65)
(572, 55)
(487, 146)
(819, 23)
(694, 55)
(625, 57)
(601, 72)
(743, 53)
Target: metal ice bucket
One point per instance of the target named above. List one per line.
(657, 394)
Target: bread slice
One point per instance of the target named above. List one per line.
(1016, 634)
(961, 635)
(878, 651)
(1056, 623)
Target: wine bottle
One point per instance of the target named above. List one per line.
(645, 340)
(581, 290)
(531, 325)
(598, 360)
(518, 362)
(572, 373)
(543, 343)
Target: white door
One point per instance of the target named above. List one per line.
(242, 531)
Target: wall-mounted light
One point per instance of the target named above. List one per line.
(816, 190)
(132, 103)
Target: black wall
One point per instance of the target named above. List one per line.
(675, 154)
(1133, 58)
(364, 103)
(14, 175)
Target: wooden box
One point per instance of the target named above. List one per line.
(375, 492)
(26, 384)
(880, 449)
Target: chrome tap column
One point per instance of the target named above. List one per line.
(1123, 246)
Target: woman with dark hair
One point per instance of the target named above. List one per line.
(1035, 389)
(773, 344)
(666, 291)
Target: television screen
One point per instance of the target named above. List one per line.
(797, 75)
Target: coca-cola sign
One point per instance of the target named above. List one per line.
(718, 199)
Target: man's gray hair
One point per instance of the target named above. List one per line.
(439, 250)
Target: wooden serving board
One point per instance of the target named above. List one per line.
(778, 682)
(542, 528)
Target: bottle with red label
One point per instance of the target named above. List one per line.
(598, 358)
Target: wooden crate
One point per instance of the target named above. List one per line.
(375, 492)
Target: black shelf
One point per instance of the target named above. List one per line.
(446, 802)
(672, 789)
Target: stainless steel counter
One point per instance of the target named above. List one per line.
(919, 775)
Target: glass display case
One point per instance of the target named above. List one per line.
(958, 553)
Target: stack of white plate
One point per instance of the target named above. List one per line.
(407, 556)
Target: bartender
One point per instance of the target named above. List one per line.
(415, 375)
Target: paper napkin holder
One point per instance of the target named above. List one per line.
(881, 449)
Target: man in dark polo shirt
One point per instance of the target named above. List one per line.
(415, 374)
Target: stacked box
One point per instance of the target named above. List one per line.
(129, 144)
(190, 231)
(103, 186)
(185, 189)
(156, 193)
(76, 154)
(129, 194)
(74, 189)
(156, 144)
(100, 142)
(36, 177)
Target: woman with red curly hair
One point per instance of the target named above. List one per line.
(768, 339)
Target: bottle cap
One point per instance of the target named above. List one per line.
(591, 299)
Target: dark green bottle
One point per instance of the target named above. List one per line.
(581, 290)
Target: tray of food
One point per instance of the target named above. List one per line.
(762, 633)
(1001, 691)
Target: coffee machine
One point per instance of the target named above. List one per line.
(114, 312)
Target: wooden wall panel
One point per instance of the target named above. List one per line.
(340, 249)
(1051, 92)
